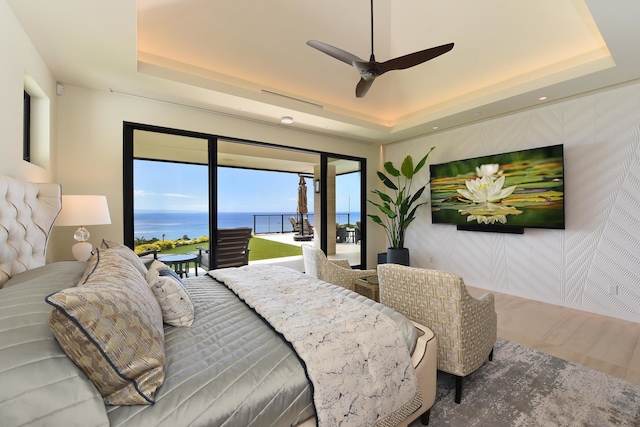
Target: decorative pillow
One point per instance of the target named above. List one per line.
(111, 327)
(175, 302)
(127, 254)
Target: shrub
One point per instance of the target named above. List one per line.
(166, 244)
(147, 247)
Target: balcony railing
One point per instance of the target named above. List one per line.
(279, 223)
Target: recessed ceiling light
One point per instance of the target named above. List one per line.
(435, 127)
(542, 98)
(286, 120)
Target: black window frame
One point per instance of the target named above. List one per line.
(26, 128)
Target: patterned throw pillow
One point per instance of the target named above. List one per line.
(111, 327)
(127, 254)
(175, 302)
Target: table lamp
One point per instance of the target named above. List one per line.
(83, 210)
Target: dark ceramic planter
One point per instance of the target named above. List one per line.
(398, 256)
(382, 258)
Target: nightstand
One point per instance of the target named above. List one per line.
(368, 286)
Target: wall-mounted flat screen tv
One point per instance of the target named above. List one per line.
(518, 189)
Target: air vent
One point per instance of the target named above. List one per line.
(291, 98)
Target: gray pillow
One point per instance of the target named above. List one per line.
(111, 328)
(126, 253)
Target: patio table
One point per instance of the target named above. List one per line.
(180, 263)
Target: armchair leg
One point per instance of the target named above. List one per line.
(459, 388)
(424, 418)
(459, 380)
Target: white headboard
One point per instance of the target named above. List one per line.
(27, 214)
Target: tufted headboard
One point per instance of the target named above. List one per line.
(27, 214)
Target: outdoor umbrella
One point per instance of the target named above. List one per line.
(302, 202)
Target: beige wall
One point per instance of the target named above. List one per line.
(601, 244)
(17, 58)
(90, 154)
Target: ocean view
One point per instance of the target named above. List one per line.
(174, 224)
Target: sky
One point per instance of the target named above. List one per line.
(183, 187)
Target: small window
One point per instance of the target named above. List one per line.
(26, 131)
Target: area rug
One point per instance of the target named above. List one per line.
(524, 387)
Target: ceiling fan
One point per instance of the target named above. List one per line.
(371, 69)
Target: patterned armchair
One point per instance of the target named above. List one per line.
(337, 272)
(466, 327)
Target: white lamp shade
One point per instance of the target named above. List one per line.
(84, 210)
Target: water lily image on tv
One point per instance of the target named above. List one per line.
(521, 189)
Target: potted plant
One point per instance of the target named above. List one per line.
(399, 209)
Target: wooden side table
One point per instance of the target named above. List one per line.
(368, 287)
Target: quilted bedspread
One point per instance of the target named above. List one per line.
(229, 368)
(355, 356)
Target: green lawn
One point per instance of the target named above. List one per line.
(260, 249)
(266, 249)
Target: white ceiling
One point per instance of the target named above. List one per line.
(250, 58)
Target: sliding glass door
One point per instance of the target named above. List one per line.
(185, 185)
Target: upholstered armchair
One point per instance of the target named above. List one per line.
(337, 272)
(466, 327)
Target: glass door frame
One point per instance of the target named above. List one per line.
(128, 169)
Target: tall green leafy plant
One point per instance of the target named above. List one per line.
(400, 207)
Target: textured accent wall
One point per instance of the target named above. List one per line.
(600, 247)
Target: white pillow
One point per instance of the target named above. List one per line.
(175, 302)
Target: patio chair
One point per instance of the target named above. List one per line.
(307, 228)
(341, 233)
(231, 249)
(337, 271)
(294, 224)
(466, 327)
(148, 257)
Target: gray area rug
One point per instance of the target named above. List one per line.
(524, 387)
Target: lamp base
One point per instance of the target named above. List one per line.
(82, 251)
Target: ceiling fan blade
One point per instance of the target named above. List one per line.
(339, 54)
(415, 58)
(363, 87)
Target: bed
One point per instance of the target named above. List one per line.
(227, 365)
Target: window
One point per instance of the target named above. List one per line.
(26, 128)
(36, 129)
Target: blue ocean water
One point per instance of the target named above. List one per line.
(176, 224)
